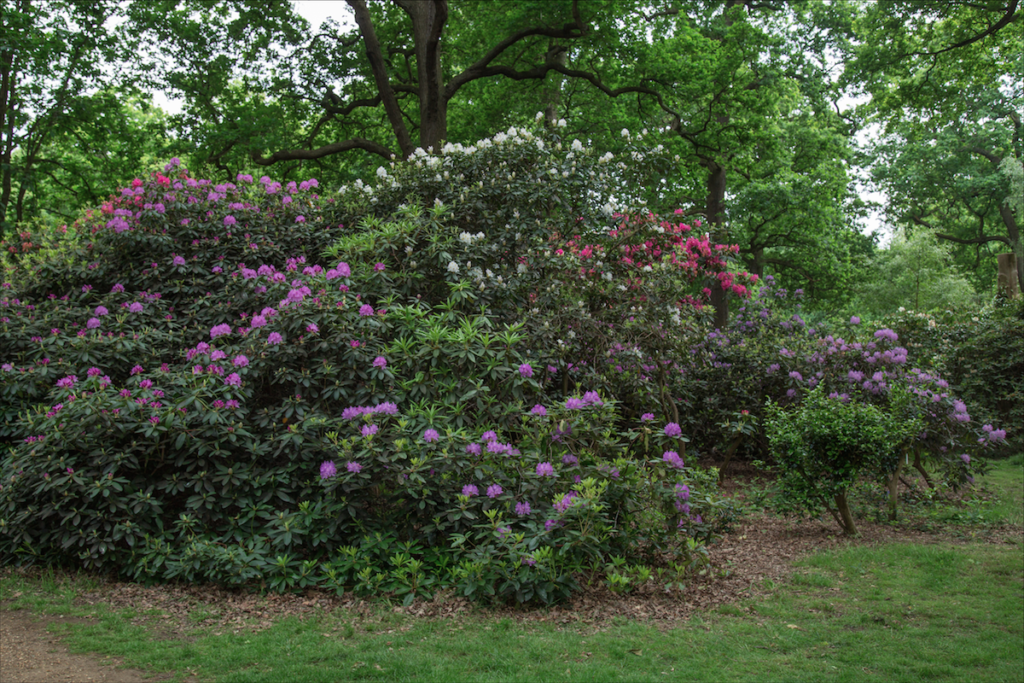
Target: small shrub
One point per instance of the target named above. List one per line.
(824, 445)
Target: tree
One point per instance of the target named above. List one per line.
(945, 81)
(384, 88)
(917, 273)
(77, 168)
(53, 56)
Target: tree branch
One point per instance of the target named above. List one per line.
(380, 74)
(1008, 16)
(480, 68)
(331, 102)
(987, 154)
(976, 240)
(320, 152)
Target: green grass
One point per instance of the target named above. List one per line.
(896, 612)
(1006, 482)
(890, 613)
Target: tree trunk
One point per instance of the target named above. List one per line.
(380, 74)
(894, 488)
(428, 20)
(919, 466)
(1008, 278)
(843, 506)
(714, 208)
(1013, 232)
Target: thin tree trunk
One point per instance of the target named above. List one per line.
(843, 506)
(894, 489)
(380, 74)
(715, 209)
(919, 466)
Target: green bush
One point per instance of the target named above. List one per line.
(824, 445)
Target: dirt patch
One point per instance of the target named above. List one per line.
(29, 654)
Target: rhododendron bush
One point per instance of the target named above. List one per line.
(461, 374)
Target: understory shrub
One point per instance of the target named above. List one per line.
(768, 352)
(252, 384)
(824, 445)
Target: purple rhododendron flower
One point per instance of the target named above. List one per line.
(220, 330)
(136, 370)
(312, 328)
(574, 404)
(366, 310)
(966, 458)
(274, 338)
(489, 436)
(591, 398)
(378, 267)
(92, 323)
(240, 361)
(101, 310)
(380, 362)
(647, 417)
(570, 459)
(469, 490)
(179, 260)
(431, 435)
(369, 430)
(474, 449)
(539, 410)
(673, 459)
(229, 220)
(527, 560)
(525, 370)
(855, 320)
(354, 467)
(545, 469)
(886, 334)
(522, 509)
(328, 469)
(135, 307)
(233, 380)
(673, 429)
(494, 490)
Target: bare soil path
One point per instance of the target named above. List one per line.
(29, 654)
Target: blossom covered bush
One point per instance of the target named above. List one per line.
(769, 352)
(250, 382)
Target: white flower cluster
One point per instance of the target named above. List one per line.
(469, 238)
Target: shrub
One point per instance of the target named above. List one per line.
(770, 352)
(179, 376)
(824, 445)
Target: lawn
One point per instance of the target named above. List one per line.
(947, 609)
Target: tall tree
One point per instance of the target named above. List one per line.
(946, 83)
(384, 87)
(53, 59)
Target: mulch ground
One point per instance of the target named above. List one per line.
(762, 548)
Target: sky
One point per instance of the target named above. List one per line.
(317, 11)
